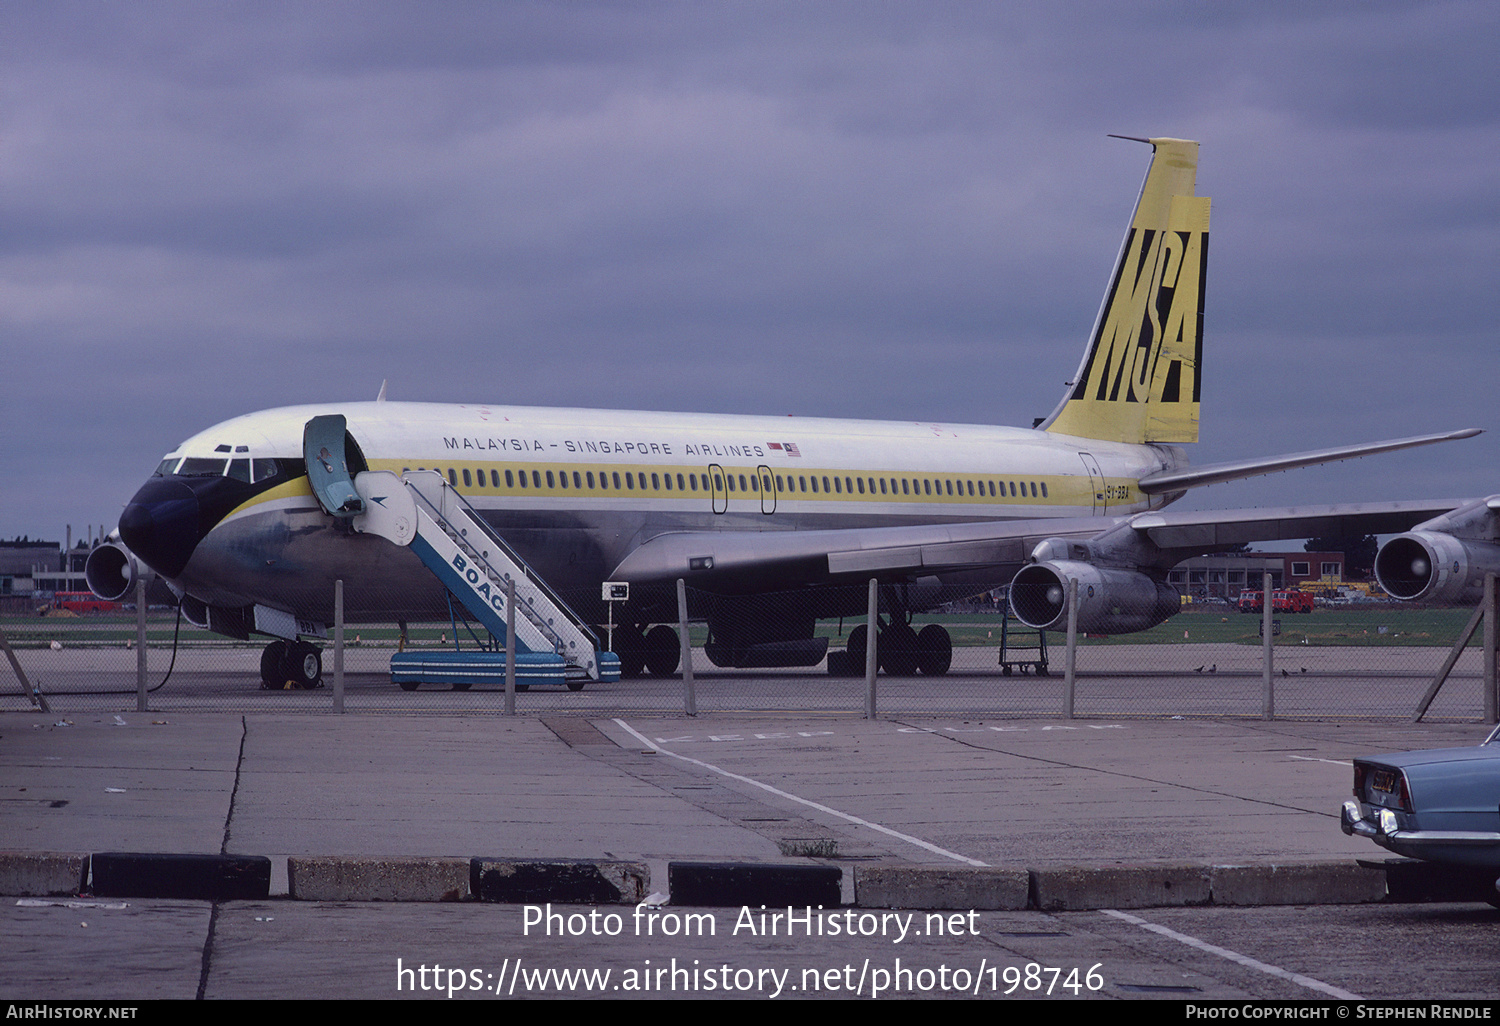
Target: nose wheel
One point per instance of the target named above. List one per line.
(630, 646)
(291, 666)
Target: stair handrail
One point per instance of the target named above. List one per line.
(535, 578)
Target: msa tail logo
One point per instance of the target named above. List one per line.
(1151, 331)
(1140, 381)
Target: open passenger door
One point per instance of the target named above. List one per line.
(325, 447)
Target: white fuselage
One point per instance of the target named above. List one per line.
(576, 490)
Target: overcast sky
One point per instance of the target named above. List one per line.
(882, 209)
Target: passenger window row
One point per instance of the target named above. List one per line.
(563, 480)
(975, 487)
(571, 480)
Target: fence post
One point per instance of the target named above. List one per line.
(338, 646)
(1453, 656)
(689, 690)
(510, 646)
(1267, 644)
(871, 657)
(1490, 711)
(1070, 657)
(140, 643)
(32, 692)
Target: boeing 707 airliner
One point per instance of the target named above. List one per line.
(251, 521)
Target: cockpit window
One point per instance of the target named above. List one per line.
(237, 468)
(201, 467)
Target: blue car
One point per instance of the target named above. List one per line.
(1441, 805)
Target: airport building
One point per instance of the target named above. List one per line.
(21, 560)
(34, 570)
(1225, 576)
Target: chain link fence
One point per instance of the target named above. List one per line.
(940, 652)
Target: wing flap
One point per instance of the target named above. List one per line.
(856, 561)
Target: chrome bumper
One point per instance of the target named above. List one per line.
(1385, 830)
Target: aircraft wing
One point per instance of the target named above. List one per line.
(786, 559)
(1189, 532)
(790, 558)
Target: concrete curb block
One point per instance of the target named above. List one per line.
(370, 878)
(565, 881)
(1305, 883)
(42, 873)
(1075, 888)
(941, 887)
(727, 884)
(169, 875)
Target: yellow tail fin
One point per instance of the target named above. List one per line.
(1140, 378)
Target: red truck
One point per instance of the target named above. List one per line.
(82, 602)
(1287, 601)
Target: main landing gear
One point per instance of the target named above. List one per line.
(291, 666)
(899, 650)
(657, 651)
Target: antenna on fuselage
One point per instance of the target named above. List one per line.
(380, 398)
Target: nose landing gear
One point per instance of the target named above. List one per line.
(291, 666)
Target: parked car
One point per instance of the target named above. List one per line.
(1442, 805)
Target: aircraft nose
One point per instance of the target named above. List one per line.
(161, 525)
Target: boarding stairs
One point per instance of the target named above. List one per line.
(422, 510)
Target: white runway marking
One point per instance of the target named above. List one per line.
(1234, 956)
(1331, 762)
(857, 821)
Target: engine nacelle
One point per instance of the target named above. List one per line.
(1110, 601)
(111, 572)
(1436, 566)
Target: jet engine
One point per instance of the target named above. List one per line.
(1110, 600)
(1435, 566)
(111, 571)
(1446, 558)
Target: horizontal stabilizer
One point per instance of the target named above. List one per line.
(1218, 473)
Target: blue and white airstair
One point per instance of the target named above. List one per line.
(420, 509)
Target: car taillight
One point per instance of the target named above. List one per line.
(1359, 781)
(1406, 805)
